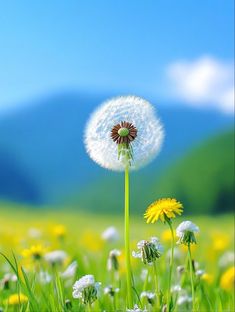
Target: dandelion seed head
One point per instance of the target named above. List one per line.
(135, 110)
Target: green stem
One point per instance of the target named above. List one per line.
(171, 265)
(191, 275)
(155, 277)
(156, 285)
(127, 240)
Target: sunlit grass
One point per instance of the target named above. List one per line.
(79, 235)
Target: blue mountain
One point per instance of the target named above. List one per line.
(46, 140)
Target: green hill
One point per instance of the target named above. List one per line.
(204, 179)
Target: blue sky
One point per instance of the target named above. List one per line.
(126, 46)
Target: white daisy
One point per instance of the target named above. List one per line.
(135, 120)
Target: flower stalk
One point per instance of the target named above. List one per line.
(191, 276)
(127, 239)
(171, 263)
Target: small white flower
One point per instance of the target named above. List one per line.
(44, 277)
(113, 263)
(135, 110)
(176, 288)
(200, 272)
(136, 309)
(143, 274)
(227, 259)
(109, 290)
(185, 231)
(110, 234)
(34, 233)
(150, 296)
(176, 255)
(55, 257)
(184, 299)
(86, 289)
(70, 271)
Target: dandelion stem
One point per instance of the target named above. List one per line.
(191, 275)
(155, 277)
(156, 284)
(127, 240)
(171, 265)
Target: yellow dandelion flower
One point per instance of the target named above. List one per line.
(166, 236)
(227, 280)
(163, 209)
(35, 252)
(59, 231)
(207, 278)
(16, 299)
(220, 241)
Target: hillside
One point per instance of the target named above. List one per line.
(45, 140)
(203, 180)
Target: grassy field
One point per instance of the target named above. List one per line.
(34, 281)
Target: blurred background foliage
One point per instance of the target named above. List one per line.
(59, 61)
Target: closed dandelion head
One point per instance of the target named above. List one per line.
(185, 231)
(123, 132)
(148, 251)
(163, 209)
(113, 263)
(86, 289)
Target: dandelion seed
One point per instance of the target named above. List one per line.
(86, 289)
(110, 234)
(185, 231)
(56, 257)
(123, 120)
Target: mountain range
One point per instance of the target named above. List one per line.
(42, 155)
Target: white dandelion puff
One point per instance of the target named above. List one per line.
(142, 130)
(86, 289)
(55, 257)
(185, 231)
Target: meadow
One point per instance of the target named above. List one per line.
(44, 251)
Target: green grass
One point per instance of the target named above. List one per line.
(82, 242)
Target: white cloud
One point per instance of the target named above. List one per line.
(204, 82)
